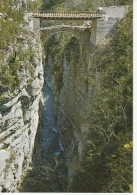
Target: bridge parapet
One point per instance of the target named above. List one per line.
(67, 15)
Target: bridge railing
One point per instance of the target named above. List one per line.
(55, 11)
(66, 13)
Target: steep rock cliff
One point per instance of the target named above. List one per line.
(19, 115)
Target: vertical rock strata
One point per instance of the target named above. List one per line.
(19, 115)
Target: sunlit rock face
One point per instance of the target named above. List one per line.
(19, 118)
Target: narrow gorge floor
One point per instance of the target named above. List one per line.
(49, 172)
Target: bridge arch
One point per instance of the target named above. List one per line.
(81, 33)
(72, 37)
(46, 33)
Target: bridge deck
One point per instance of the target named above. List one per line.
(67, 15)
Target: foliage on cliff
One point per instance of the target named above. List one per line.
(89, 5)
(118, 2)
(48, 176)
(10, 28)
(52, 4)
(107, 166)
(14, 56)
(34, 5)
(9, 22)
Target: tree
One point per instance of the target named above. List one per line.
(34, 5)
(118, 2)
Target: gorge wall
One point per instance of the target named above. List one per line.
(19, 114)
(71, 97)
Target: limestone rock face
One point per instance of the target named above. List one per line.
(19, 118)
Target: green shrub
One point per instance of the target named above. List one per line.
(48, 176)
(34, 5)
(12, 37)
(10, 29)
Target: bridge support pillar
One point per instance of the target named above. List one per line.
(36, 27)
(101, 29)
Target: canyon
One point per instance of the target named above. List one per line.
(48, 114)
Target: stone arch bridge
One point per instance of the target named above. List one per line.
(82, 33)
(94, 32)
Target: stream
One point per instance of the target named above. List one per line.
(51, 138)
(49, 170)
